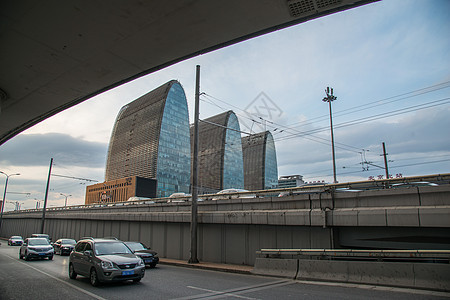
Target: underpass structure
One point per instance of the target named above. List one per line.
(56, 54)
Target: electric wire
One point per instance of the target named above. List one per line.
(390, 167)
(312, 138)
(409, 109)
(377, 103)
(374, 117)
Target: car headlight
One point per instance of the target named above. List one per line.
(140, 263)
(107, 265)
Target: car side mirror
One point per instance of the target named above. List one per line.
(88, 253)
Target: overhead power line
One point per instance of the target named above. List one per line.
(373, 118)
(77, 178)
(276, 126)
(377, 103)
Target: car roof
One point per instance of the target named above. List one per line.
(103, 240)
(133, 242)
(37, 238)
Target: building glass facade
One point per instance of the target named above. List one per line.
(233, 164)
(270, 164)
(260, 161)
(174, 156)
(150, 139)
(220, 163)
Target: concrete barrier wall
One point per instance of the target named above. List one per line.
(285, 268)
(431, 276)
(217, 242)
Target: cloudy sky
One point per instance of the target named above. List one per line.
(389, 65)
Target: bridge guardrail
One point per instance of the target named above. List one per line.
(357, 186)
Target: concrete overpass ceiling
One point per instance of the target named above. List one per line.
(55, 54)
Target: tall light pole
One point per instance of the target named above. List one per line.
(4, 197)
(65, 202)
(330, 98)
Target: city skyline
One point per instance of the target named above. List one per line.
(389, 65)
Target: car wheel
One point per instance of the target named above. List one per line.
(26, 256)
(137, 279)
(94, 278)
(72, 273)
(50, 257)
(20, 255)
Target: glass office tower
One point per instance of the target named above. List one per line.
(260, 161)
(151, 139)
(220, 162)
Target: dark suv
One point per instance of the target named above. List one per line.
(105, 260)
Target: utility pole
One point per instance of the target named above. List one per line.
(385, 161)
(194, 216)
(329, 98)
(46, 196)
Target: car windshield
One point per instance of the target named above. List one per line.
(68, 241)
(16, 237)
(38, 242)
(136, 246)
(111, 248)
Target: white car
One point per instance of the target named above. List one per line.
(39, 248)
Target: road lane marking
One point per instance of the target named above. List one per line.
(56, 278)
(220, 293)
(234, 292)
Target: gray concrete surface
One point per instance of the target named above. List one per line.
(411, 269)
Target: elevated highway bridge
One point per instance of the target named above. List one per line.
(410, 213)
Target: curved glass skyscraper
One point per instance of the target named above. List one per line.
(260, 161)
(220, 162)
(151, 139)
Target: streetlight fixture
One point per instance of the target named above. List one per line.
(65, 203)
(4, 197)
(38, 202)
(330, 98)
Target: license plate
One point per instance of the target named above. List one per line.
(148, 260)
(41, 253)
(129, 272)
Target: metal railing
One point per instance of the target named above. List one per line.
(435, 256)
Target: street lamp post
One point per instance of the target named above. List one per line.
(65, 202)
(4, 197)
(329, 98)
(38, 203)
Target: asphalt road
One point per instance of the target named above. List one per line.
(44, 279)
